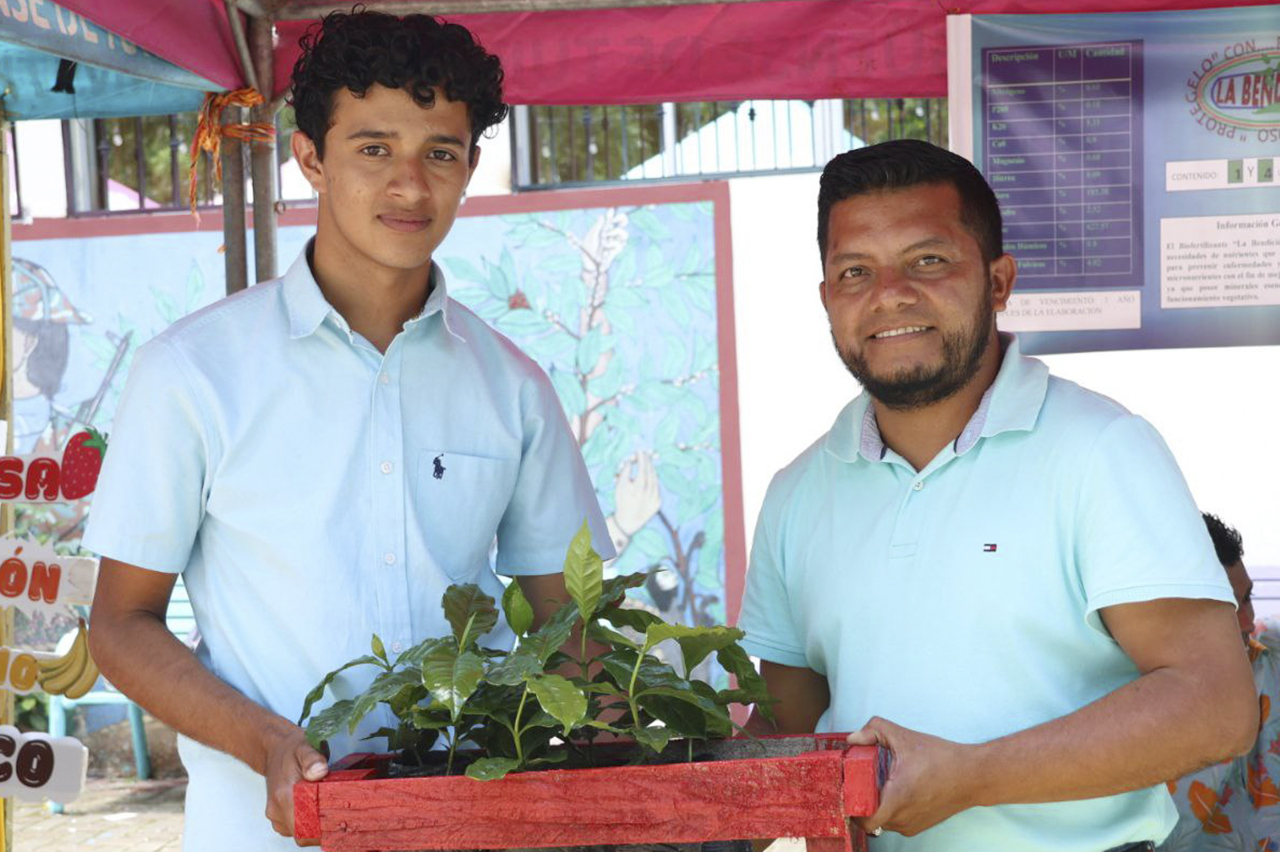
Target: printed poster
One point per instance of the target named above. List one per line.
(1134, 159)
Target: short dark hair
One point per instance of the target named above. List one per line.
(1226, 540)
(904, 163)
(416, 53)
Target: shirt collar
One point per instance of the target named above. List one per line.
(1011, 404)
(308, 309)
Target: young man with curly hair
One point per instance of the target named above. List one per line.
(321, 455)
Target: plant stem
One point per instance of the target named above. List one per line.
(631, 689)
(453, 745)
(524, 696)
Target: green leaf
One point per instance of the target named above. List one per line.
(318, 692)
(491, 768)
(614, 589)
(584, 573)
(618, 664)
(415, 655)
(677, 715)
(559, 697)
(328, 722)
(517, 609)
(695, 642)
(378, 650)
(735, 661)
(550, 637)
(654, 739)
(464, 603)
(451, 676)
(600, 633)
(637, 619)
(550, 758)
(518, 665)
(430, 718)
(385, 687)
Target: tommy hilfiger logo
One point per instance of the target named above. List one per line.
(988, 548)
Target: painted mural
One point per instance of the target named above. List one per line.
(618, 304)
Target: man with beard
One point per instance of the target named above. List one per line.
(993, 573)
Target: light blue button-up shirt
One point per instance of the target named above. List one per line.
(962, 599)
(314, 491)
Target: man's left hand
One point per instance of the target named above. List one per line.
(928, 782)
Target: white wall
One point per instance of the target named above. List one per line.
(1219, 409)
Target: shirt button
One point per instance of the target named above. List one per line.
(397, 647)
(389, 558)
(384, 378)
(918, 486)
(386, 467)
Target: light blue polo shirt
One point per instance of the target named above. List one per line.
(313, 491)
(962, 600)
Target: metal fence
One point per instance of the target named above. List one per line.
(579, 145)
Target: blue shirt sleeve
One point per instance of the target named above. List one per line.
(553, 493)
(766, 614)
(151, 492)
(1139, 534)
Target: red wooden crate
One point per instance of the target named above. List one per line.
(808, 794)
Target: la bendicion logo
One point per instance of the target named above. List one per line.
(1235, 92)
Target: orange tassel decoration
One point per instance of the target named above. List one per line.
(210, 130)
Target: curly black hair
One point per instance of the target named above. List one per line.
(1227, 541)
(417, 53)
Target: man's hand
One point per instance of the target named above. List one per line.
(290, 759)
(927, 779)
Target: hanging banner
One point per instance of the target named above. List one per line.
(1133, 156)
(37, 766)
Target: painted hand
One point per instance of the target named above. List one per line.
(290, 759)
(929, 781)
(636, 496)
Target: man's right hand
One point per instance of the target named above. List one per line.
(290, 759)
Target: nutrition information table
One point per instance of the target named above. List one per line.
(1063, 152)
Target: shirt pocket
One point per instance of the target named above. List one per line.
(460, 501)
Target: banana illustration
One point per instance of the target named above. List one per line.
(72, 674)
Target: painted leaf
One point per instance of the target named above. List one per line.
(1262, 790)
(491, 768)
(517, 609)
(518, 665)
(451, 676)
(583, 573)
(1205, 806)
(318, 692)
(559, 697)
(328, 722)
(464, 605)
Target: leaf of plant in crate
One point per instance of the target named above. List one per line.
(695, 642)
(583, 573)
(491, 768)
(318, 692)
(451, 676)
(517, 609)
(470, 612)
(561, 698)
(329, 722)
(385, 687)
(654, 739)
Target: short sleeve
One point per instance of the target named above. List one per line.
(766, 614)
(151, 492)
(1139, 535)
(553, 493)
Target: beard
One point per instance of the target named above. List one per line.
(917, 387)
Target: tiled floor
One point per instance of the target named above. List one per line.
(112, 815)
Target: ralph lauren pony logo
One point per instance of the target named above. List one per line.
(438, 467)
(988, 548)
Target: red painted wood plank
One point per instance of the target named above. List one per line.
(306, 811)
(681, 803)
(861, 792)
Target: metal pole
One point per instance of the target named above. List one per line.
(6, 412)
(233, 234)
(263, 155)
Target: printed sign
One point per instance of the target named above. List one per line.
(37, 766)
(43, 479)
(35, 578)
(1133, 156)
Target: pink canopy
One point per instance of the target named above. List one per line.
(636, 51)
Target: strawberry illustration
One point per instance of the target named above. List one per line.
(81, 462)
